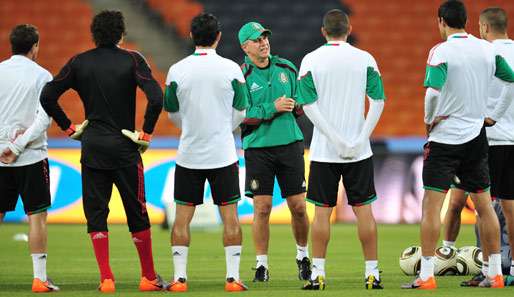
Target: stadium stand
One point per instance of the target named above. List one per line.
(177, 13)
(399, 34)
(64, 32)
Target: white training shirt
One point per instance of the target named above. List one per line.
(342, 76)
(205, 102)
(20, 86)
(462, 69)
(502, 133)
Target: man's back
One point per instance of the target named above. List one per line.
(205, 96)
(341, 75)
(21, 83)
(469, 64)
(502, 133)
(106, 79)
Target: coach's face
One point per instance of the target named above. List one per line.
(258, 48)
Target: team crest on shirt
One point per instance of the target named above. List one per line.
(254, 185)
(283, 78)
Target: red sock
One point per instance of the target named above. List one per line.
(101, 246)
(143, 242)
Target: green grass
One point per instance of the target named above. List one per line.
(72, 266)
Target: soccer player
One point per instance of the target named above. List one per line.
(458, 76)
(106, 79)
(493, 28)
(334, 81)
(273, 145)
(23, 147)
(206, 97)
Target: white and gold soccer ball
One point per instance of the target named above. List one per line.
(410, 260)
(445, 261)
(469, 260)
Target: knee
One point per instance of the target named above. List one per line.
(455, 207)
(263, 211)
(180, 230)
(232, 231)
(298, 210)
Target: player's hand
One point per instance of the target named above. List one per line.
(142, 139)
(342, 147)
(284, 104)
(355, 148)
(437, 120)
(488, 122)
(8, 156)
(75, 131)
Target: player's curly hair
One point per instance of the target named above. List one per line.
(108, 27)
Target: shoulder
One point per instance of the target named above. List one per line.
(229, 64)
(436, 51)
(286, 64)
(247, 69)
(137, 57)
(363, 54)
(42, 72)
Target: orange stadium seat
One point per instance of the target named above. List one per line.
(177, 13)
(64, 32)
(400, 34)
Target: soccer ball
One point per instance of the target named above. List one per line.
(410, 260)
(469, 260)
(445, 262)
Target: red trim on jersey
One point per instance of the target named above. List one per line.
(141, 186)
(432, 52)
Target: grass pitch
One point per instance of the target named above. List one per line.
(72, 266)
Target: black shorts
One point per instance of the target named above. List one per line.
(31, 182)
(97, 189)
(190, 185)
(358, 182)
(501, 171)
(285, 162)
(467, 161)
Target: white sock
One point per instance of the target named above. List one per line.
(485, 268)
(427, 268)
(495, 265)
(447, 243)
(318, 268)
(39, 266)
(302, 252)
(372, 269)
(233, 257)
(262, 260)
(179, 253)
(512, 268)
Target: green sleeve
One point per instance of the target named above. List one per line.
(170, 98)
(306, 91)
(503, 70)
(240, 95)
(435, 76)
(374, 85)
(265, 111)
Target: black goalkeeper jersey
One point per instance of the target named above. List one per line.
(106, 79)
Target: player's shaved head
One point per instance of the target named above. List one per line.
(496, 18)
(336, 23)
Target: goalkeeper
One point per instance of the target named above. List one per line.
(106, 79)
